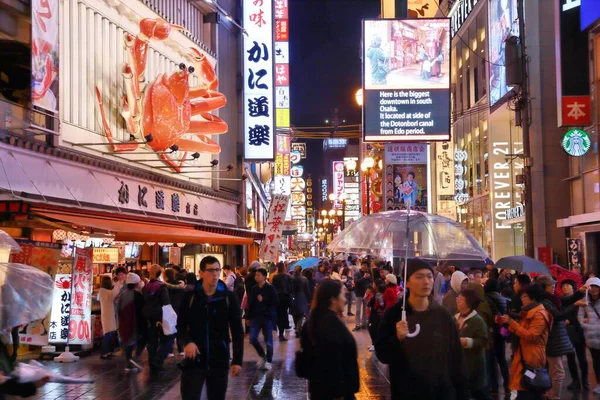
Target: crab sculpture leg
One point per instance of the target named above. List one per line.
(133, 75)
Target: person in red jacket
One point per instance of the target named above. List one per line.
(390, 296)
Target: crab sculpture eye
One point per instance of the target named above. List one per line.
(191, 70)
(182, 66)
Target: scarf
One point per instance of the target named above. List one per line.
(529, 307)
(554, 299)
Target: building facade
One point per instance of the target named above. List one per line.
(79, 153)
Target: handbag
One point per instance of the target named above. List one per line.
(536, 380)
(303, 364)
(169, 320)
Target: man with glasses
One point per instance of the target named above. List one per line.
(207, 315)
(262, 313)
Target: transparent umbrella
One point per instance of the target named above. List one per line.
(430, 237)
(408, 234)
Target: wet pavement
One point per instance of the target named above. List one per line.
(111, 381)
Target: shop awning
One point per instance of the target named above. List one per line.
(140, 231)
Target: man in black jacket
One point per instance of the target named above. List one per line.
(262, 313)
(430, 365)
(362, 280)
(207, 315)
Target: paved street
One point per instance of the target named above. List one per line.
(280, 383)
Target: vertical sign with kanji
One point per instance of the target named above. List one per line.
(269, 248)
(259, 81)
(282, 65)
(575, 255)
(61, 307)
(81, 302)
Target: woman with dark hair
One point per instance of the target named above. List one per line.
(190, 281)
(473, 335)
(302, 292)
(321, 273)
(533, 330)
(308, 274)
(333, 373)
(282, 283)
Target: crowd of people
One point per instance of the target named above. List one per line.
(448, 341)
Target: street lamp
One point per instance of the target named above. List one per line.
(359, 97)
(366, 166)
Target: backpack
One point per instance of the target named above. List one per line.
(152, 309)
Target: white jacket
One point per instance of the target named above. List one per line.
(592, 327)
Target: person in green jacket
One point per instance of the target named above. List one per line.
(473, 333)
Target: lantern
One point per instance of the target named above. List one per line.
(59, 235)
(180, 244)
(72, 235)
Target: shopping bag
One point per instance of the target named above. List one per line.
(169, 320)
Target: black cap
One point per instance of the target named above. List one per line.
(416, 264)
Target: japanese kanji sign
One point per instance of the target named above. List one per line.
(61, 305)
(575, 255)
(338, 180)
(444, 161)
(282, 64)
(106, 255)
(259, 81)
(269, 248)
(576, 111)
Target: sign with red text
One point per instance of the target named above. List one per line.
(61, 307)
(259, 81)
(269, 247)
(44, 54)
(81, 304)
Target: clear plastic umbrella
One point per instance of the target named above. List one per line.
(408, 234)
(430, 237)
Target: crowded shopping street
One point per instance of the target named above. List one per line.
(300, 199)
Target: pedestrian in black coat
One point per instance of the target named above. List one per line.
(332, 348)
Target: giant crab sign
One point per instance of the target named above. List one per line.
(161, 111)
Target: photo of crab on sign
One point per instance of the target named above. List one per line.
(165, 112)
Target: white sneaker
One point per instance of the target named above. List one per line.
(371, 348)
(182, 354)
(171, 355)
(597, 389)
(261, 363)
(267, 366)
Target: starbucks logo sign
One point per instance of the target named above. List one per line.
(576, 142)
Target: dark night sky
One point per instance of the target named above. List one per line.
(325, 64)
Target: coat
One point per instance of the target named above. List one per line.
(106, 297)
(559, 343)
(475, 330)
(449, 299)
(592, 326)
(532, 330)
(207, 323)
(335, 365)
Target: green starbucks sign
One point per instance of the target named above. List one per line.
(576, 142)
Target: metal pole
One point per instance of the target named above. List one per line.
(524, 110)
(368, 194)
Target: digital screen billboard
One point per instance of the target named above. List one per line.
(406, 80)
(503, 24)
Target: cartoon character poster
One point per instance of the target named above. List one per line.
(406, 176)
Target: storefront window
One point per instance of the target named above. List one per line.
(591, 191)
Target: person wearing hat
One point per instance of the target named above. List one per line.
(132, 325)
(390, 296)
(559, 343)
(458, 282)
(589, 319)
(473, 332)
(430, 365)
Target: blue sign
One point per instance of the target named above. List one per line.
(590, 12)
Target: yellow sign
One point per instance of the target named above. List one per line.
(106, 255)
(282, 118)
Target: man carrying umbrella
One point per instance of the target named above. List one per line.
(429, 364)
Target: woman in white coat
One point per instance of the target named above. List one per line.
(106, 297)
(589, 318)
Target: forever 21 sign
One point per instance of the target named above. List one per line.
(459, 14)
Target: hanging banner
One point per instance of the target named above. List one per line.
(81, 304)
(269, 247)
(338, 180)
(61, 306)
(406, 176)
(444, 163)
(575, 255)
(44, 54)
(259, 81)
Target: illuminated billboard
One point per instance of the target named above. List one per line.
(406, 80)
(503, 24)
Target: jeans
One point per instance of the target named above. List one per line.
(267, 328)
(350, 298)
(361, 312)
(159, 345)
(192, 381)
(583, 364)
(596, 362)
(497, 355)
(557, 375)
(108, 343)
